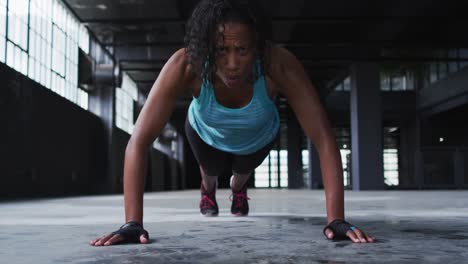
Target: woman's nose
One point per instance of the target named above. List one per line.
(232, 62)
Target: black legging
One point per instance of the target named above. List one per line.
(213, 161)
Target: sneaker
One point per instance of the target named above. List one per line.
(208, 205)
(240, 204)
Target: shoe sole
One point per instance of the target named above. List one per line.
(240, 215)
(210, 214)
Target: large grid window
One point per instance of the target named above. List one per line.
(267, 174)
(125, 97)
(262, 173)
(438, 70)
(17, 35)
(463, 54)
(40, 39)
(84, 38)
(71, 59)
(397, 81)
(305, 167)
(390, 166)
(345, 161)
(390, 162)
(394, 79)
(58, 51)
(18, 23)
(345, 85)
(3, 20)
(390, 155)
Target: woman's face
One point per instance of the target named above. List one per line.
(235, 54)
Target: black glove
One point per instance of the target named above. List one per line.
(339, 227)
(131, 232)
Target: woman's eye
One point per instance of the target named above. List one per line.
(221, 49)
(242, 50)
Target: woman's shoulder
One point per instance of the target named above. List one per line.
(279, 61)
(180, 60)
(279, 56)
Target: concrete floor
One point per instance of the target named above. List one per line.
(284, 227)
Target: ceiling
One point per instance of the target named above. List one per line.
(327, 36)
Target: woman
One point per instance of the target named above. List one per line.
(233, 73)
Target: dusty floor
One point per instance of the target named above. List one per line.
(284, 226)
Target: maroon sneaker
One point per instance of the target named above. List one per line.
(208, 205)
(240, 204)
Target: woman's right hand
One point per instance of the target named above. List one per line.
(131, 232)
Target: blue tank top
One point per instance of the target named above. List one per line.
(241, 130)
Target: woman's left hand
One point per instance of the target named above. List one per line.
(341, 229)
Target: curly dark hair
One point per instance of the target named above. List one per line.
(202, 28)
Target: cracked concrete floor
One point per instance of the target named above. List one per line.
(284, 226)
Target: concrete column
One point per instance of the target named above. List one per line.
(366, 128)
(315, 172)
(409, 154)
(465, 167)
(102, 104)
(418, 162)
(295, 175)
(406, 161)
(459, 168)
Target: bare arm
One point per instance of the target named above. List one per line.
(289, 75)
(174, 80)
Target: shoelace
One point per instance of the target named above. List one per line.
(239, 199)
(207, 201)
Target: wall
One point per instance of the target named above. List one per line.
(48, 145)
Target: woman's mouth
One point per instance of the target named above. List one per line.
(232, 79)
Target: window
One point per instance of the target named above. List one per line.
(339, 87)
(262, 173)
(125, 97)
(18, 23)
(40, 42)
(390, 162)
(82, 99)
(305, 167)
(3, 18)
(346, 160)
(453, 65)
(58, 51)
(267, 174)
(452, 60)
(84, 39)
(43, 44)
(17, 35)
(345, 85)
(463, 54)
(443, 70)
(396, 78)
(385, 82)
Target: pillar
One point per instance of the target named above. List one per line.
(366, 128)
